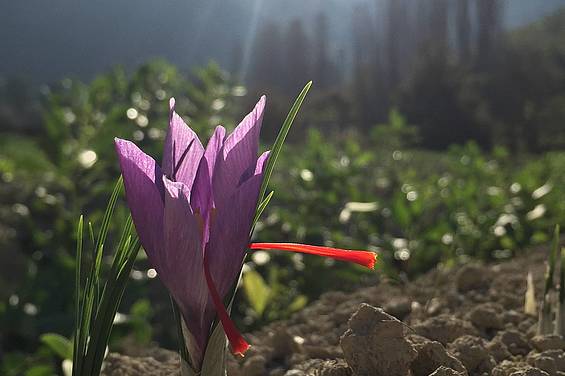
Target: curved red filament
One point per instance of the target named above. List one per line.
(237, 343)
(363, 258)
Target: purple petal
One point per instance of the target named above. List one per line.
(214, 146)
(238, 154)
(201, 199)
(144, 194)
(182, 151)
(229, 234)
(262, 163)
(181, 266)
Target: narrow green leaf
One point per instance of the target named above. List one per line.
(80, 232)
(86, 318)
(562, 278)
(103, 233)
(109, 303)
(279, 141)
(91, 233)
(551, 262)
(58, 344)
(90, 318)
(125, 237)
(262, 206)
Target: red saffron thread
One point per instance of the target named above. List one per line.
(363, 258)
(237, 343)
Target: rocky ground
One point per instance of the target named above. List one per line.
(468, 320)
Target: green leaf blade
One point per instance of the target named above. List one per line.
(279, 141)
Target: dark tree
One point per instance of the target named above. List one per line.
(489, 18)
(364, 88)
(438, 29)
(323, 72)
(463, 29)
(396, 24)
(297, 57)
(267, 68)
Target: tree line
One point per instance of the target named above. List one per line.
(449, 66)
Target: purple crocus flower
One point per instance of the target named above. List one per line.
(194, 215)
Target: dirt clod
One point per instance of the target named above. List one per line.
(487, 316)
(444, 328)
(431, 355)
(548, 342)
(374, 344)
(472, 277)
(399, 308)
(472, 352)
(515, 341)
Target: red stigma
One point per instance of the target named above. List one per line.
(363, 258)
(237, 343)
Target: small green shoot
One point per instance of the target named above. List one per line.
(560, 311)
(97, 302)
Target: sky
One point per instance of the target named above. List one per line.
(44, 41)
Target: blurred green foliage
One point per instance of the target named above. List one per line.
(415, 207)
(66, 168)
(374, 190)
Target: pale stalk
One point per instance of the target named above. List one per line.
(214, 363)
(545, 325)
(530, 305)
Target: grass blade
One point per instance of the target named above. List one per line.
(109, 303)
(560, 311)
(279, 141)
(545, 316)
(551, 263)
(80, 232)
(91, 233)
(103, 233)
(95, 315)
(262, 206)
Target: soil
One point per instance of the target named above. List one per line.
(467, 320)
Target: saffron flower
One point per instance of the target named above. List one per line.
(194, 215)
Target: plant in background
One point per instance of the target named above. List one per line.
(195, 215)
(96, 302)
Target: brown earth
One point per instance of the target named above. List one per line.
(467, 320)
